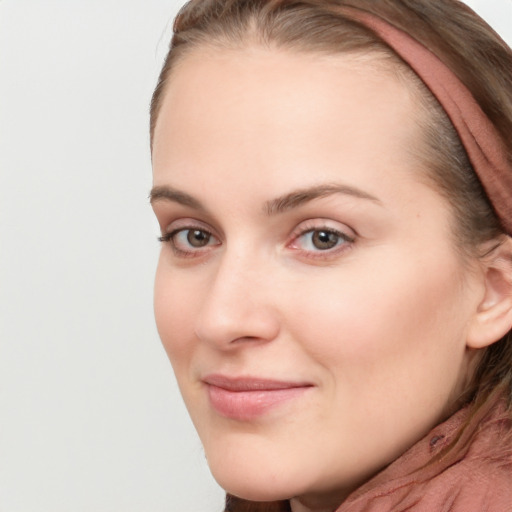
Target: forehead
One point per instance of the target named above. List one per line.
(255, 109)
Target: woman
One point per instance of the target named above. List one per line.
(333, 182)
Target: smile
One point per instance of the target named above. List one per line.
(245, 399)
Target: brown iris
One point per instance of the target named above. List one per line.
(325, 240)
(198, 238)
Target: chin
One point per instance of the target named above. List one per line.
(255, 482)
(251, 491)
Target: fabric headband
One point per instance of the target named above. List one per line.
(482, 142)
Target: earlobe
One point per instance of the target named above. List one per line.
(493, 317)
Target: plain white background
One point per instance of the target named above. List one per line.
(90, 417)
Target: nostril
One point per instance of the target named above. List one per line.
(229, 330)
(246, 339)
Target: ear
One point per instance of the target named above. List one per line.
(493, 317)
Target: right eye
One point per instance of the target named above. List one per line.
(188, 241)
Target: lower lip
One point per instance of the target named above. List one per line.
(249, 405)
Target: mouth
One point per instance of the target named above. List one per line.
(248, 398)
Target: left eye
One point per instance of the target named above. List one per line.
(321, 240)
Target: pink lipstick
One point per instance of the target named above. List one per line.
(247, 398)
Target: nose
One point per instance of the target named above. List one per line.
(238, 304)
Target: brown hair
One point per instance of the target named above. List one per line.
(451, 30)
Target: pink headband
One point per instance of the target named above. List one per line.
(483, 144)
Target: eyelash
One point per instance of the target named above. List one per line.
(343, 243)
(181, 253)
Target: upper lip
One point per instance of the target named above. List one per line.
(251, 383)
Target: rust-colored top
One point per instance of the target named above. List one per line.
(450, 470)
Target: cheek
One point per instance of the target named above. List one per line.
(390, 342)
(174, 312)
(373, 322)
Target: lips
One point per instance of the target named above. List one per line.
(248, 398)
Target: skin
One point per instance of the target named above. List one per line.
(377, 325)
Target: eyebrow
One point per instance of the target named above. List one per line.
(275, 206)
(299, 197)
(174, 195)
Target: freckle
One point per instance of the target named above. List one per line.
(435, 440)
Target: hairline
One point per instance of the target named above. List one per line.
(385, 61)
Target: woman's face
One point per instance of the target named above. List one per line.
(308, 294)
